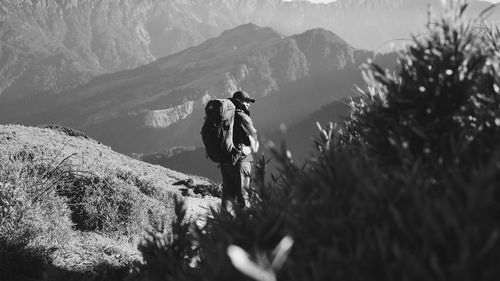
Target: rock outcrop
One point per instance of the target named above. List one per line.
(161, 119)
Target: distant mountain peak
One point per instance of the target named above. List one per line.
(320, 34)
(248, 29)
(243, 37)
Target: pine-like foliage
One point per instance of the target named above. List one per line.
(443, 103)
(407, 190)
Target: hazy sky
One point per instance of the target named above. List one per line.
(328, 1)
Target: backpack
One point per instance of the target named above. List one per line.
(217, 130)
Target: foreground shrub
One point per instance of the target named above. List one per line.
(175, 249)
(408, 190)
(443, 103)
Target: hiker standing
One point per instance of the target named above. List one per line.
(236, 176)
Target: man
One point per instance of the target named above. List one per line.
(236, 178)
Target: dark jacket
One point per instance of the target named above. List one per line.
(243, 128)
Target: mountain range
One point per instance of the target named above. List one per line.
(50, 46)
(160, 105)
(93, 65)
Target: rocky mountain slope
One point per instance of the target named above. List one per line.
(160, 105)
(53, 45)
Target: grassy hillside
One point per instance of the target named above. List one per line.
(70, 205)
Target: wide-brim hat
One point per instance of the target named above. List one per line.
(243, 96)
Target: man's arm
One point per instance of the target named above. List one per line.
(251, 133)
(254, 144)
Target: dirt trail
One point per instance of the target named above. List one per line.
(198, 208)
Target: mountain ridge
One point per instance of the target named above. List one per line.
(52, 46)
(171, 91)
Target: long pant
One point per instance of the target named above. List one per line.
(235, 182)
